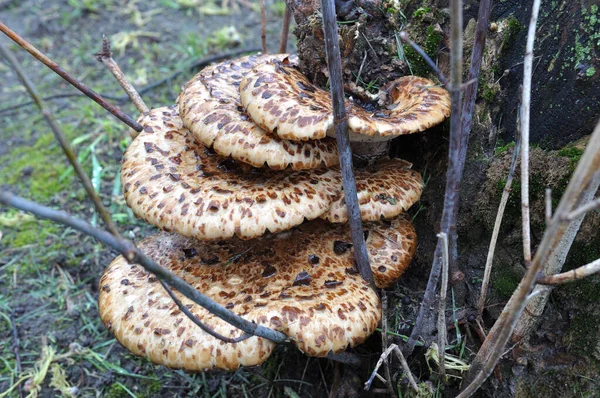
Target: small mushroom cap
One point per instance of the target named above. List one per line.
(210, 107)
(416, 105)
(178, 185)
(385, 189)
(282, 100)
(302, 283)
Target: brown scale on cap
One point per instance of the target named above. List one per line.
(282, 100)
(178, 185)
(302, 283)
(385, 189)
(210, 107)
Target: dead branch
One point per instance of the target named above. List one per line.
(105, 56)
(593, 205)
(548, 206)
(499, 215)
(441, 325)
(384, 339)
(37, 54)
(263, 26)
(60, 137)
(285, 29)
(571, 276)
(393, 348)
(135, 256)
(340, 118)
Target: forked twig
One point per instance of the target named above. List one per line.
(593, 205)
(285, 29)
(37, 54)
(60, 137)
(105, 56)
(393, 348)
(135, 256)
(340, 120)
(441, 325)
(499, 215)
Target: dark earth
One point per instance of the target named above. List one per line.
(49, 273)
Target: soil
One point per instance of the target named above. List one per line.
(49, 274)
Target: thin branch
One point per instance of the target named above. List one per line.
(593, 205)
(404, 37)
(263, 26)
(105, 56)
(441, 325)
(548, 207)
(525, 112)
(285, 29)
(135, 256)
(60, 137)
(37, 54)
(15, 349)
(571, 276)
(340, 118)
(499, 215)
(584, 176)
(393, 348)
(448, 224)
(384, 339)
(198, 323)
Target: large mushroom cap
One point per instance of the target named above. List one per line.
(210, 107)
(302, 283)
(282, 100)
(178, 185)
(384, 189)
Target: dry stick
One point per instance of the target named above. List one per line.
(448, 223)
(404, 37)
(105, 56)
(285, 29)
(340, 120)
(37, 54)
(263, 26)
(586, 174)
(135, 256)
(393, 348)
(441, 325)
(384, 339)
(525, 111)
(593, 205)
(503, 201)
(571, 276)
(60, 137)
(548, 207)
(15, 342)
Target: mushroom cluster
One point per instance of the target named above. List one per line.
(233, 173)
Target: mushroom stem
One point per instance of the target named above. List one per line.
(105, 56)
(369, 151)
(37, 54)
(60, 137)
(340, 117)
(133, 255)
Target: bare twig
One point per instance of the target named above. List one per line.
(525, 111)
(404, 36)
(105, 56)
(15, 348)
(571, 276)
(548, 207)
(285, 29)
(60, 137)
(448, 224)
(37, 54)
(503, 201)
(135, 256)
(393, 348)
(580, 211)
(441, 325)
(263, 26)
(384, 339)
(586, 174)
(340, 117)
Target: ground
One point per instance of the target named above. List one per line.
(49, 274)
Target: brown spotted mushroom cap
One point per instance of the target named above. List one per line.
(384, 190)
(282, 100)
(178, 185)
(210, 107)
(302, 283)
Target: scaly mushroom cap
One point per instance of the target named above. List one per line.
(178, 185)
(416, 105)
(210, 107)
(384, 190)
(302, 283)
(282, 100)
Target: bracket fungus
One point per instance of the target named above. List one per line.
(302, 283)
(197, 168)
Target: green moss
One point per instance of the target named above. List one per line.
(505, 280)
(513, 26)
(431, 45)
(116, 391)
(591, 71)
(502, 149)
